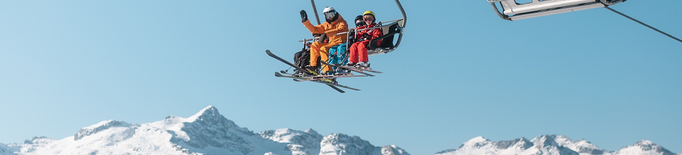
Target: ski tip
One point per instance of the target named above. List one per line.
(270, 53)
(336, 88)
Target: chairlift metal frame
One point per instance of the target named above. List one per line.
(511, 10)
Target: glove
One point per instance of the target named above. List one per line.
(322, 37)
(366, 36)
(304, 16)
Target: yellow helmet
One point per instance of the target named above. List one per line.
(369, 13)
(374, 17)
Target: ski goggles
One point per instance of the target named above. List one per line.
(359, 23)
(329, 14)
(368, 19)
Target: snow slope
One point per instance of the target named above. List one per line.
(550, 145)
(6, 150)
(206, 132)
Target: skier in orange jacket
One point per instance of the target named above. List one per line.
(334, 24)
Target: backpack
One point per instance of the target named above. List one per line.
(302, 59)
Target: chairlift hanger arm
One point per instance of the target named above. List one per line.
(505, 17)
(315, 10)
(400, 37)
(400, 6)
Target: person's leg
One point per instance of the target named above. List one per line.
(362, 51)
(315, 52)
(353, 54)
(324, 55)
(341, 54)
(333, 55)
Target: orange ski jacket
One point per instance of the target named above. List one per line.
(331, 30)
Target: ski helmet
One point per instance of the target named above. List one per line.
(330, 14)
(358, 21)
(370, 13)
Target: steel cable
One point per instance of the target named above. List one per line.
(651, 27)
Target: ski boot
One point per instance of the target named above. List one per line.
(315, 69)
(341, 71)
(363, 65)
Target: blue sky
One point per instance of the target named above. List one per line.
(459, 73)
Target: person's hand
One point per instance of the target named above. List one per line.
(366, 36)
(304, 16)
(322, 37)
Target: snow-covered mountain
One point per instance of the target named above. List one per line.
(644, 147)
(550, 145)
(207, 132)
(5, 150)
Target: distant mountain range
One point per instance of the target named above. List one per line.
(550, 145)
(209, 132)
(206, 132)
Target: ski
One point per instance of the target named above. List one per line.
(297, 80)
(324, 77)
(367, 70)
(317, 77)
(355, 69)
(337, 89)
(328, 82)
(317, 81)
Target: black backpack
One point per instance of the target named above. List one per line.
(302, 58)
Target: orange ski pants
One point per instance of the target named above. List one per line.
(320, 50)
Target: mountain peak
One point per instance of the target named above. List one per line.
(209, 117)
(477, 140)
(545, 140)
(38, 140)
(644, 147)
(645, 142)
(311, 131)
(208, 112)
(101, 126)
(338, 143)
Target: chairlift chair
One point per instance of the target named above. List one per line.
(390, 29)
(511, 10)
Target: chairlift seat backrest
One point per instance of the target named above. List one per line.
(387, 45)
